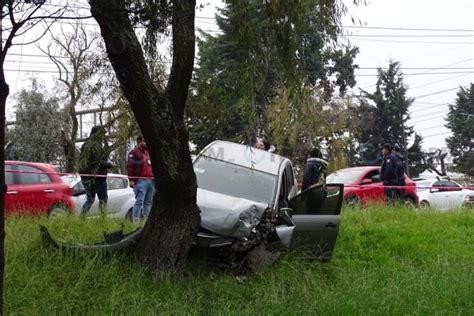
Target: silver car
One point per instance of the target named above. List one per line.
(247, 194)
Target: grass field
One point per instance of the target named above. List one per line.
(386, 262)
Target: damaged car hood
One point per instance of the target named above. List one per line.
(228, 216)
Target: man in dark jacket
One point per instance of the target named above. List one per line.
(315, 166)
(400, 171)
(140, 175)
(388, 172)
(93, 165)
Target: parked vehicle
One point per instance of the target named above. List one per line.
(363, 185)
(120, 196)
(442, 194)
(35, 189)
(247, 194)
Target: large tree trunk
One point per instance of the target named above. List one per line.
(4, 91)
(174, 217)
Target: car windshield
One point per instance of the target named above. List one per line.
(234, 180)
(422, 185)
(344, 176)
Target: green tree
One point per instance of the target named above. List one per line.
(37, 131)
(461, 123)
(264, 48)
(389, 115)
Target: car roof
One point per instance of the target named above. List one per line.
(33, 164)
(360, 168)
(244, 155)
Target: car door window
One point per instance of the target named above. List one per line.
(8, 174)
(373, 175)
(116, 183)
(32, 175)
(451, 186)
(318, 200)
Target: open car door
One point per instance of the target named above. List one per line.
(316, 213)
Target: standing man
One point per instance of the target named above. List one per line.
(93, 165)
(400, 171)
(140, 175)
(315, 166)
(388, 172)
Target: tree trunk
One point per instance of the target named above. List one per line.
(174, 217)
(4, 91)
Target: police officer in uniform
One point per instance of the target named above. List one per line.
(400, 171)
(388, 172)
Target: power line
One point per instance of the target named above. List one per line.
(405, 28)
(434, 82)
(438, 134)
(422, 73)
(405, 35)
(434, 93)
(411, 42)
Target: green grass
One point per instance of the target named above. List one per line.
(387, 262)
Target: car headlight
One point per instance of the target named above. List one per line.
(248, 220)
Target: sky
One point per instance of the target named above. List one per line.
(432, 39)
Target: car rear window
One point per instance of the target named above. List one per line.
(32, 175)
(346, 176)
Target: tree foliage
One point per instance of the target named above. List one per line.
(461, 123)
(388, 118)
(265, 48)
(37, 132)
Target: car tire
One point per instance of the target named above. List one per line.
(352, 201)
(409, 202)
(425, 205)
(58, 210)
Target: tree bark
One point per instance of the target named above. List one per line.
(174, 217)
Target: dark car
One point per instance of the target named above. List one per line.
(363, 185)
(35, 189)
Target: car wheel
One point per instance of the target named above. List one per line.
(58, 210)
(424, 205)
(409, 202)
(353, 200)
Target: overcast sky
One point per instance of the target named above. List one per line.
(433, 40)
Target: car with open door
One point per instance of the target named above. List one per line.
(248, 196)
(442, 194)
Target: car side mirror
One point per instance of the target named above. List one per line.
(366, 181)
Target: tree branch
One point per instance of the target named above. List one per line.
(183, 54)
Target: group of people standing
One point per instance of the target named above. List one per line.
(392, 172)
(94, 163)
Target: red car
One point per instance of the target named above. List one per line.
(34, 189)
(363, 185)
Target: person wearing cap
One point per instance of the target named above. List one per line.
(315, 166)
(140, 175)
(93, 165)
(400, 171)
(388, 172)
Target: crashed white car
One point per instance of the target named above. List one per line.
(247, 195)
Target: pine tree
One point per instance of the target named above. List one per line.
(461, 123)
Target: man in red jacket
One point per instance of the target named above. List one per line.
(141, 180)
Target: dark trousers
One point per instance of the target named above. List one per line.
(94, 186)
(401, 191)
(390, 193)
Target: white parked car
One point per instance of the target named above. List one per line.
(120, 196)
(441, 194)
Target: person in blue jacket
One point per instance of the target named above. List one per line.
(388, 172)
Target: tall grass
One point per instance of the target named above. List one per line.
(387, 261)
